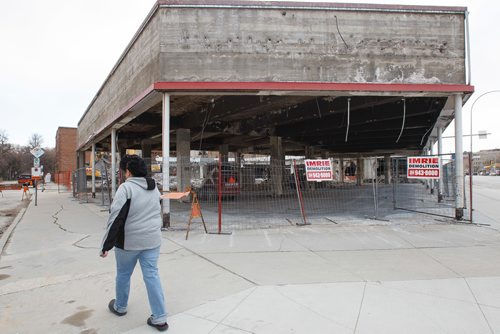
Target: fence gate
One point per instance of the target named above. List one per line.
(435, 197)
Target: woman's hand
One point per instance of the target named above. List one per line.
(104, 254)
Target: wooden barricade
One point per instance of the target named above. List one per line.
(14, 186)
(195, 212)
(195, 206)
(26, 192)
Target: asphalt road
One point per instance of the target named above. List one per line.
(10, 205)
(486, 200)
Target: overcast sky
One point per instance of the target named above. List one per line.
(55, 55)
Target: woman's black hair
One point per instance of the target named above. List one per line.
(134, 164)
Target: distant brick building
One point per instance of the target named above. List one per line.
(65, 149)
(485, 161)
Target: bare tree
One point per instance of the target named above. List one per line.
(16, 160)
(4, 139)
(5, 148)
(48, 160)
(36, 140)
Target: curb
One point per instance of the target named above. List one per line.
(6, 235)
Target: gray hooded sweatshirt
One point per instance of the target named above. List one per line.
(134, 221)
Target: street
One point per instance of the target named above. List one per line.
(485, 201)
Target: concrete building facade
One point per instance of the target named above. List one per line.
(286, 77)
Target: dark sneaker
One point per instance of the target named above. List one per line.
(161, 327)
(111, 307)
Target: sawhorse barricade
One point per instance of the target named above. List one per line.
(195, 206)
(9, 187)
(26, 192)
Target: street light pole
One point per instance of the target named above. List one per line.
(472, 108)
(471, 159)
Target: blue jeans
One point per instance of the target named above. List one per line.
(125, 264)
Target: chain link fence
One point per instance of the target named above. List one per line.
(82, 184)
(260, 193)
(64, 181)
(435, 197)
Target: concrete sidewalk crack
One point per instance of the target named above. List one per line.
(414, 292)
(218, 323)
(221, 322)
(441, 263)
(314, 311)
(479, 306)
(76, 278)
(318, 254)
(355, 274)
(214, 263)
(171, 252)
(75, 244)
(399, 236)
(55, 222)
(360, 308)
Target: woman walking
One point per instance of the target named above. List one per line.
(134, 229)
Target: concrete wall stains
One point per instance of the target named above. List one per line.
(300, 45)
(285, 45)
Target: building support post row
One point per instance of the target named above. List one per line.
(92, 162)
(277, 163)
(183, 149)
(146, 154)
(431, 153)
(459, 159)
(341, 169)
(224, 153)
(359, 171)
(80, 177)
(387, 169)
(165, 206)
(440, 152)
(113, 163)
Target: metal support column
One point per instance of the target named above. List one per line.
(431, 153)
(359, 171)
(459, 159)
(440, 152)
(113, 162)
(387, 169)
(146, 154)
(341, 169)
(277, 161)
(166, 158)
(183, 149)
(92, 162)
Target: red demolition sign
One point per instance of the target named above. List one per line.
(423, 168)
(319, 170)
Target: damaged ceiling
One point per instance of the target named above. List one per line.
(332, 77)
(339, 124)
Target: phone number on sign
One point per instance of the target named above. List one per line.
(423, 172)
(319, 175)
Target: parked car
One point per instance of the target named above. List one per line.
(208, 189)
(25, 179)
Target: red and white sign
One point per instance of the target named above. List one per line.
(423, 168)
(319, 170)
(36, 173)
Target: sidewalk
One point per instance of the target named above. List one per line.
(359, 277)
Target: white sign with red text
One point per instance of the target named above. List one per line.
(319, 170)
(423, 168)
